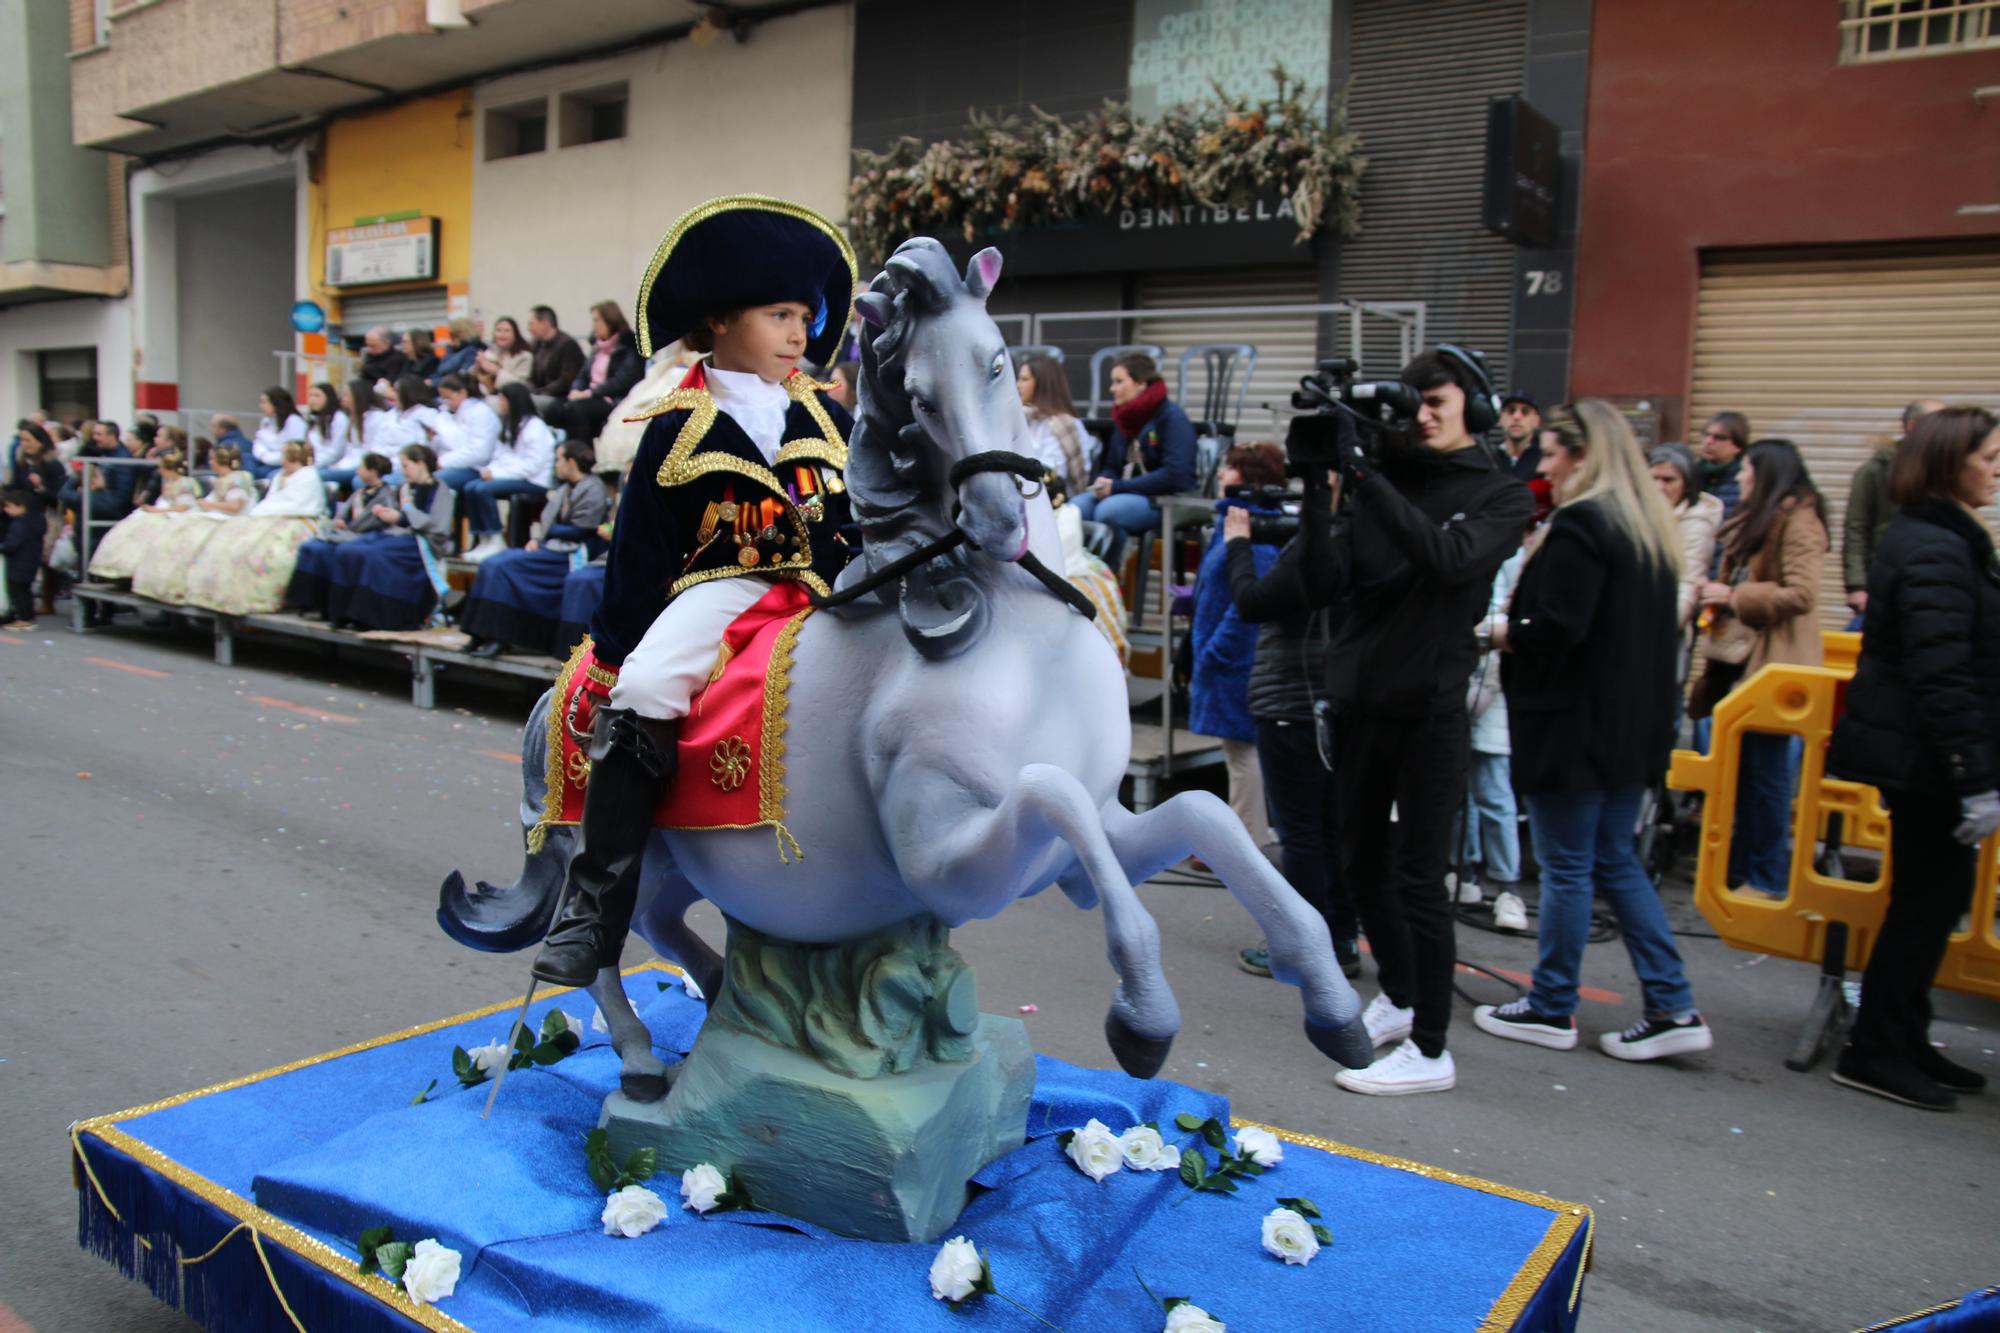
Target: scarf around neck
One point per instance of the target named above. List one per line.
(1132, 415)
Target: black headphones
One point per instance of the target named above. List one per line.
(1482, 401)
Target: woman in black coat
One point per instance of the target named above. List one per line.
(1922, 719)
(610, 369)
(1593, 641)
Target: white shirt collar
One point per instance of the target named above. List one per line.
(754, 403)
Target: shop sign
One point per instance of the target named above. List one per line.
(1160, 239)
(398, 251)
(1183, 49)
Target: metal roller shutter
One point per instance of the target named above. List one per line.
(1824, 350)
(424, 308)
(1286, 344)
(1423, 73)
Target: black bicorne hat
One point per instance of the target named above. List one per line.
(747, 250)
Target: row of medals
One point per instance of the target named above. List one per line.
(749, 552)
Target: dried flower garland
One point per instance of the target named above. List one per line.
(1006, 174)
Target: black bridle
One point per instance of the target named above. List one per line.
(993, 460)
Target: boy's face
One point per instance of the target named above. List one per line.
(766, 339)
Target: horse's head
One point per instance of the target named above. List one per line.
(940, 368)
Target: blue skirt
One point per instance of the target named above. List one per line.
(517, 599)
(380, 582)
(582, 591)
(311, 588)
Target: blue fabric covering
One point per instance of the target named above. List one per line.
(380, 580)
(518, 598)
(1977, 1310)
(336, 1147)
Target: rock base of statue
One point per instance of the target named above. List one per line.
(855, 1086)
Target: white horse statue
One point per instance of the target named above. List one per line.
(960, 731)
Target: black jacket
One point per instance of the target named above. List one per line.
(22, 546)
(1290, 666)
(1923, 711)
(557, 359)
(625, 370)
(701, 503)
(1414, 552)
(1594, 641)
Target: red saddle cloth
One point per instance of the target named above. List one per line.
(731, 771)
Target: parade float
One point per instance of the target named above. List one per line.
(817, 1127)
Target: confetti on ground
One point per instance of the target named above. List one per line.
(1031, 1009)
(83, 775)
(1559, 1087)
(1734, 1130)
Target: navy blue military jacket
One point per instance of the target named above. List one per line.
(701, 503)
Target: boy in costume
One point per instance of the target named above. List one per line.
(737, 483)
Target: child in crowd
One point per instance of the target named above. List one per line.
(22, 547)
(1491, 840)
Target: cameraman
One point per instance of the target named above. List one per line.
(1426, 519)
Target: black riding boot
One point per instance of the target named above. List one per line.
(631, 763)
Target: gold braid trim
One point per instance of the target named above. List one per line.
(1506, 1311)
(552, 772)
(256, 1243)
(802, 573)
(701, 213)
(267, 1226)
(829, 447)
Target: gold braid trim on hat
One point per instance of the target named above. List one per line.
(730, 203)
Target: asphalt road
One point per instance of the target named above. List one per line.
(213, 870)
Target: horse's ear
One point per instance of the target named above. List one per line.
(874, 308)
(981, 272)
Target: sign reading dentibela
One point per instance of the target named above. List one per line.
(399, 251)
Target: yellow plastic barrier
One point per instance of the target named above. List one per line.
(1802, 701)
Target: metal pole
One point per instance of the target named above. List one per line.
(513, 1029)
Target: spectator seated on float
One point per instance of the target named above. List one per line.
(244, 568)
(362, 512)
(393, 578)
(326, 428)
(163, 573)
(280, 425)
(467, 433)
(1152, 453)
(367, 427)
(120, 552)
(522, 466)
(517, 598)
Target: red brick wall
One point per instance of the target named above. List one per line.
(1730, 123)
(311, 28)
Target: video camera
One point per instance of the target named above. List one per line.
(1268, 529)
(1344, 412)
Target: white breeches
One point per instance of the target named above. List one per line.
(677, 652)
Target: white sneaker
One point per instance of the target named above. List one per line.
(1652, 1038)
(490, 544)
(1402, 1071)
(1509, 912)
(1468, 890)
(1385, 1022)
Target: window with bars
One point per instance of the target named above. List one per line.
(1874, 30)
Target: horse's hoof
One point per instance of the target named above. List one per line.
(1141, 1057)
(647, 1087)
(1349, 1045)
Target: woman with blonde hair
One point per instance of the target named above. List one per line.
(125, 547)
(246, 567)
(1591, 644)
(1060, 443)
(162, 575)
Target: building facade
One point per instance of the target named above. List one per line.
(1792, 210)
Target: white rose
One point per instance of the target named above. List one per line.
(1289, 1236)
(491, 1058)
(1095, 1151)
(1260, 1146)
(1188, 1318)
(632, 1211)
(1144, 1150)
(431, 1274)
(957, 1270)
(701, 1186)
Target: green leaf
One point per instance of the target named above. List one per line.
(1325, 1236)
(1170, 1302)
(393, 1257)
(1243, 1166)
(1193, 1169)
(461, 1061)
(1212, 1131)
(1218, 1185)
(596, 1141)
(523, 1039)
(642, 1164)
(602, 1174)
(1188, 1122)
(425, 1095)
(373, 1239)
(985, 1284)
(664, 985)
(1064, 1139)
(1303, 1207)
(567, 1042)
(546, 1053)
(552, 1023)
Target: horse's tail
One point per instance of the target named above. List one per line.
(500, 919)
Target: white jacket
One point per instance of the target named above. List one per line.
(1484, 700)
(300, 494)
(467, 437)
(532, 456)
(330, 447)
(268, 444)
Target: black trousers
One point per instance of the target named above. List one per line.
(1299, 791)
(581, 419)
(1394, 871)
(1932, 888)
(20, 593)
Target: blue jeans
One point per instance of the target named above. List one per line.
(1489, 820)
(458, 478)
(1127, 515)
(1760, 848)
(482, 500)
(256, 467)
(1584, 842)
